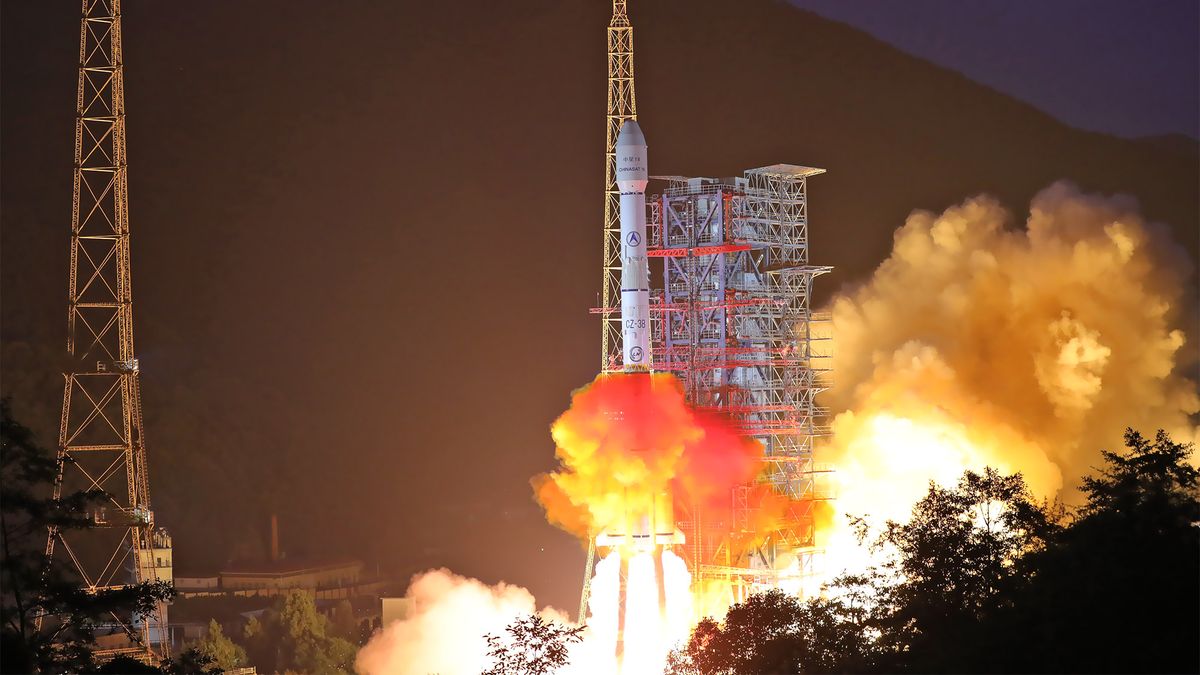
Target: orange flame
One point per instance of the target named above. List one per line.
(628, 438)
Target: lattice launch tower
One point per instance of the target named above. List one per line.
(622, 106)
(101, 444)
(732, 319)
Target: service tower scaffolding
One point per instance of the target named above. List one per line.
(100, 442)
(732, 319)
(737, 329)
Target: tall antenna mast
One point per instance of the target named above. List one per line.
(622, 106)
(100, 440)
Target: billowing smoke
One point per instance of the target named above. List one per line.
(444, 631)
(1028, 350)
(629, 438)
(974, 344)
(626, 440)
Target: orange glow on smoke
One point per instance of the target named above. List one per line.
(628, 438)
(890, 455)
(974, 344)
(630, 448)
(1027, 349)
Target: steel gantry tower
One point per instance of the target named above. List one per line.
(733, 321)
(622, 106)
(736, 327)
(100, 442)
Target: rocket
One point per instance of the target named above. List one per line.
(649, 523)
(632, 177)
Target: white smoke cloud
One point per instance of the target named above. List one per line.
(973, 344)
(445, 631)
(1029, 349)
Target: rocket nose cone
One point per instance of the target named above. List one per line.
(630, 134)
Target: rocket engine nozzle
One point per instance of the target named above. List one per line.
(647, 524)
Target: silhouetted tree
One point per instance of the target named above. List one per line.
(342, 623)
(774, 632)
(954, 566)
(534, 646)
(1119, 589)
(27, 509)
(191, 662)
(124, 665)
(983, 579)
(363, 632)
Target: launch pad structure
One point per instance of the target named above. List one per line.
(732, 319)
(735, 325)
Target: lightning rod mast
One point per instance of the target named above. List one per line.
(622, 106)
(101, 442)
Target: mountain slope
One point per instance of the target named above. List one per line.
(365, 235)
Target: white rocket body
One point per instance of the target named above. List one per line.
(632, 177)
(648, 523)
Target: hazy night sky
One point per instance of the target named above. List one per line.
(366, 235)
(1117, 66)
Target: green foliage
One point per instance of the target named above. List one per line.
(1118, 590)
(220, 650)
(955, 565)
(533, 647)
(27, 510)
(775, 632)
(986, 580)
(343, 623)
(191, 662)
(293, 636)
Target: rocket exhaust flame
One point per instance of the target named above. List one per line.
(630, 449)
(629, 439)
(971, 345)
(629, 445)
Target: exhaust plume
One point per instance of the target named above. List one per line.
(628, 438)
(1027, 350)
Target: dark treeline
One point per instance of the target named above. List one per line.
(983, 579)
(290, 636)
(64, 639)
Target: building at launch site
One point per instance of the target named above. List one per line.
(731, 318)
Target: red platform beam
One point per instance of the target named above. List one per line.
(696, 251)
